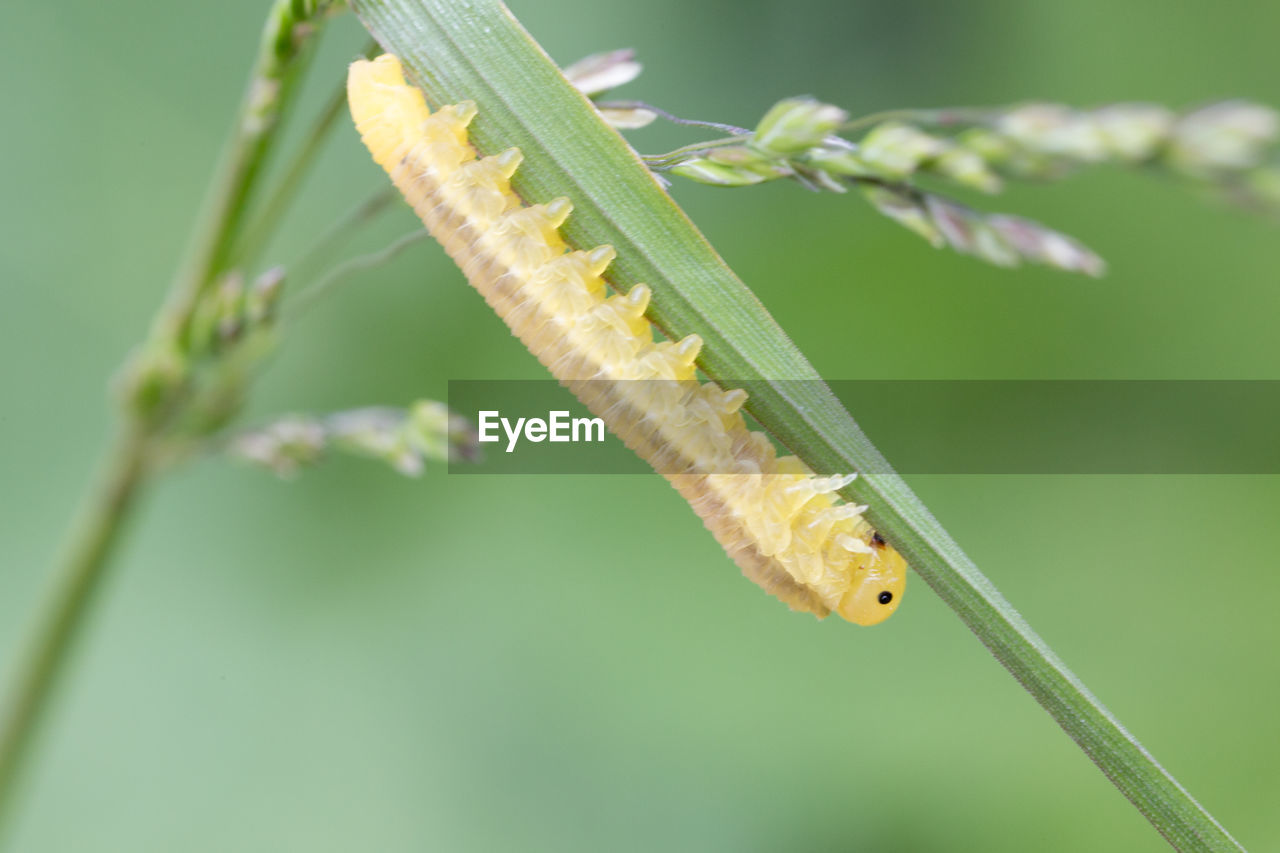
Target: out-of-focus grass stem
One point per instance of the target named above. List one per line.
(279, 66)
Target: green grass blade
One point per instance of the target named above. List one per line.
(478, 51)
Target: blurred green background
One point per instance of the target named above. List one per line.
(356, 661)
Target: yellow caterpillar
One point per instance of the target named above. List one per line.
(781, 523)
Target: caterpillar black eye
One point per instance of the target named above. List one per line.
(885, 597)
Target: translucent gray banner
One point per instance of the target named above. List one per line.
(921, 426)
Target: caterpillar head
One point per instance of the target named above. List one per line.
(876, 590)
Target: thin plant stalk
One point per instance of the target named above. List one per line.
(308, 296)
(255, 235)
(280, 63)
(283, 56)
(344, 228)
(80, 574)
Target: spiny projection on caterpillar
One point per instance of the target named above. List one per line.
(782, 524)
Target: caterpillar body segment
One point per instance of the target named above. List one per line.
(783, 525)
